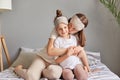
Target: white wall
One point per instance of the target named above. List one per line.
(30, 22)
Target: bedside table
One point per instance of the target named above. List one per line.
(3, 44)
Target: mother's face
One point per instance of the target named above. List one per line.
(72, 28)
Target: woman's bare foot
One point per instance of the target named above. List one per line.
(20, 71)
(18, 67)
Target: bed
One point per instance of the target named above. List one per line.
(93, 57)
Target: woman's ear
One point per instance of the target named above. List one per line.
(69, 25)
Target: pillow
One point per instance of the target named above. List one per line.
(93, 57)
(27, 55)
(25, 58)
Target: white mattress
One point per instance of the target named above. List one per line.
(104, 74)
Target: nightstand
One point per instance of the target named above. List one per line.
(4, 47)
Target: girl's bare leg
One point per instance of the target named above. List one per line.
(80, 73)
(68, 74)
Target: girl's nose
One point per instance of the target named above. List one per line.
(63, 30)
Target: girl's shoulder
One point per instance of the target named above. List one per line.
(72, 36)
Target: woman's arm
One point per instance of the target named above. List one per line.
(52, 51)
(62, 58)
(70, 52)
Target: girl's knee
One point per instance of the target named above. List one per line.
(68, 74)
(80, 73)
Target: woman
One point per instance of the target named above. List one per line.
(40, 65)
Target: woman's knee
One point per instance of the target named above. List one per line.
(52, 72)
(34, 71)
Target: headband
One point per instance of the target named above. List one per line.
(61, 19)
(77, 23)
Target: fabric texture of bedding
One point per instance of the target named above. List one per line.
(93, 58)
(104, 74)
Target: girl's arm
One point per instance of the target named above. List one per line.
(52, 51)
(82, 55)
(85, 60)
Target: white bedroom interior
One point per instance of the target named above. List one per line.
(30, 22)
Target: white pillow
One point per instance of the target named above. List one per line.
(93, 57)
(25, 58)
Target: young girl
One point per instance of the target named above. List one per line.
(70, 60)
(76, 25)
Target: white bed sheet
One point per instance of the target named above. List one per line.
(104, 74)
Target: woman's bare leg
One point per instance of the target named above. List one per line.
(52, 72)
(36, 68)
(33, 72)
(20, 71)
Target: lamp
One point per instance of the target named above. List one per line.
(5, 5)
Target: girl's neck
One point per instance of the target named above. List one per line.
(67, 36)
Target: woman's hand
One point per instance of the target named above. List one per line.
(70, 51)
(77, 49)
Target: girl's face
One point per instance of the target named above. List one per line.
(62, 30)
(72, 29)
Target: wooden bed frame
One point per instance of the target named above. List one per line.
(3, 44)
